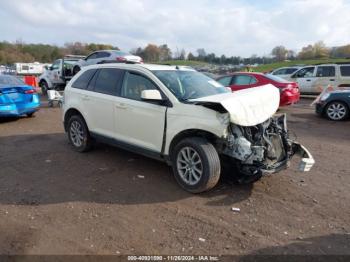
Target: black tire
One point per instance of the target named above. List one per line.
(210, 164)
(341, 114)
(76, 69)
(30, 114)
(86, 141)
(44, 87)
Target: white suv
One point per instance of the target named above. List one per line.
(181, 116)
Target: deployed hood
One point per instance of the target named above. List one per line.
(247, 107)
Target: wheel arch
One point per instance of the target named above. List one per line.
(191, 133)
(68, 114)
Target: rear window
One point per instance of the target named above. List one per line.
(6, 81)
(276, 78)
(83, 81)
(345, 70)
(108, 81)
(325, 71)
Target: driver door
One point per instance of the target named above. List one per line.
(139, 123)
(305, 78)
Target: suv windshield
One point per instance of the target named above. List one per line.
(187, 85)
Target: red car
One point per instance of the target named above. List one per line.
(289, 90)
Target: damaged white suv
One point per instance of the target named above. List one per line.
(183, 117)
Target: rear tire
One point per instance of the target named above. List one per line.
(78, 134)
(196, 164)
(30, 114)
(337, 111)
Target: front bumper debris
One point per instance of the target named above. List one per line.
(307, 161)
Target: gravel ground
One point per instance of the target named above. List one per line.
(109, 201)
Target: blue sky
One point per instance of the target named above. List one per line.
(230, 27)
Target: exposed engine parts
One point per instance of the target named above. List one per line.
(259, 147)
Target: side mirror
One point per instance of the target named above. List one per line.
(50, 68)
(293, 76)
(153, 95)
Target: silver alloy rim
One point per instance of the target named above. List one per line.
(336, 111)
(189, 165)
(76, 133)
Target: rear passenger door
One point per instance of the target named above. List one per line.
(325, 76)
(99, 101)
(139, 123)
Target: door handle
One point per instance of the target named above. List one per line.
(85, 98)
(121, 106)
(308, 80)
(331, 79)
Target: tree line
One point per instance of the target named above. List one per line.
(22, 52)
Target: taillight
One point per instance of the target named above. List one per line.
(30, 91)
(121, 59)
(141, 61)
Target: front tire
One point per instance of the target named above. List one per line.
(337, 111)
(196, 164)
(78, 134)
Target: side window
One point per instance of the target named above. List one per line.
(345, 70)
(134, 84)
(108, 81)
(83, 81)
(290, 70)
(305, 72)
(241, 80)
(56, 64)
(225, 81)
(103, 54)
(92, 56)
(325, 71)
(280, 72)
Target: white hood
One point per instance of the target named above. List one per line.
(248, 107)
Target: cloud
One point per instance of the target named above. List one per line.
(223, 27)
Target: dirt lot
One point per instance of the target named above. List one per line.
(109, 201)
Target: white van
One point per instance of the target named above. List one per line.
(314, 79)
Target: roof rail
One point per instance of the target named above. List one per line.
(334, 63)
(117, 62)
(74, 56)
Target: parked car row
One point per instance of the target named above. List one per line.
(289, 91)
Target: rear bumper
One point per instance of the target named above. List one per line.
(14, 111)
(288, 98)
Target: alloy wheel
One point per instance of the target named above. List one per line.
(336, 111)
(76, 133)
(189, 165)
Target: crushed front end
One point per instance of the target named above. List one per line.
(264, 148)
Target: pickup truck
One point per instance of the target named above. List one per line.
(58, 74)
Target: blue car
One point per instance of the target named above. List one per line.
(17, 98)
